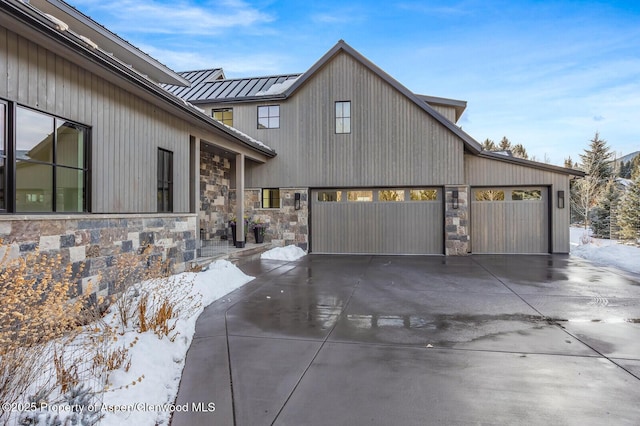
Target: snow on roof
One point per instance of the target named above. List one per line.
(278, 88)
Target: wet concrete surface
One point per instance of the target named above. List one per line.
(412, 340)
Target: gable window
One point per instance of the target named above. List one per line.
(224, 115)
(269, 117)
(270, 198)
(165, 180)
(343, 117)
(50, 171)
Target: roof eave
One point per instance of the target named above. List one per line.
(529, 163)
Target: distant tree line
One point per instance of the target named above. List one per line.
(516, 150)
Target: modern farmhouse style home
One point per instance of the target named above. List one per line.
(370, 167)
(104, 150)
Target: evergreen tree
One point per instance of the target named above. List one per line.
(519, 151)
(586, 192)
(488, 145)
(600, 215)
(629, 212)
(568, 162)
(504, 145)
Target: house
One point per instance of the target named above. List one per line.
(105, 151)
(96, 159)
(366, 166)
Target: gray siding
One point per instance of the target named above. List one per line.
(125, 130)
(448, 112)
(487, 172)
(392, 142)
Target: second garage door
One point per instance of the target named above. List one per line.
(509, 220)
(377, 221)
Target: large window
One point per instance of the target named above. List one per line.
(43, 166)
(343, 117)
(225, 115)
(270, 198)
(165, 180)
(269, 117)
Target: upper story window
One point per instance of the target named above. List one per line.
(343, 117)
(269, 117)
(44, 165)
(224, 115)
(165, 180)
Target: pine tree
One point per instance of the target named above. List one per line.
(504, 145)
(600, 215)
(519, 151)
(488, 145)
(629, 213)
(568, 162)
(586, 192)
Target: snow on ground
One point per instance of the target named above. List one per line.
(288, 253)
(604, 252)
(159, 361)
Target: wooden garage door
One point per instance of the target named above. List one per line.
(377, 221)
(509, 220)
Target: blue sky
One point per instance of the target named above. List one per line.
(546, 74)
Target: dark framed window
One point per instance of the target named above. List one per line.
(271, 198)
(224, 115)
(165, 180)
(269, 117)
(43, 162)
(343, 117)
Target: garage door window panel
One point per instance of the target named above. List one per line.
(360, 196)
(330, 196)
(391, 195)
(489, 195)
(526, 195)
(423, 194)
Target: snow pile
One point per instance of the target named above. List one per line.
(604, 252)
(144, 394)
(287, 253)
(278, 88)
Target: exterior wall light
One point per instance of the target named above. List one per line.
(296, 201)
(454, 199)
(561, 199)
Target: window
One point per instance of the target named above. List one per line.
(330, 196)
(50, 171)
(423, 194)
(391, 195)
(165, 180)
(224, 115)
(489, 195)
(343, 117)
(528, 195)
(360, 195)
(269, 117)
(270, 198)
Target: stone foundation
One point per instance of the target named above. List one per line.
(285, 225)
(91, 243)
(456, 222)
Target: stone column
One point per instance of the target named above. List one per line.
(456, 221)
(240, 242)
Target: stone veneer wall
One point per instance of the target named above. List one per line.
(215, 178)
(91, 243)
(285, 225)
(456, 224)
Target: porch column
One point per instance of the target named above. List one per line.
(240, 200)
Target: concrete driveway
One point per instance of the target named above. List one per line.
(381, 340)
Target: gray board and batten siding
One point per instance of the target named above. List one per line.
(311, 154)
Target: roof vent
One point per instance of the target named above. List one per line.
(59, 23)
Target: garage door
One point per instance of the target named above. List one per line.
(509, 220)
(377, 221)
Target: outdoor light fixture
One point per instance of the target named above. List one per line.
(296, 201)
(561, 199)
(454, 200)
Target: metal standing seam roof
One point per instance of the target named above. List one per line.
(204, 88)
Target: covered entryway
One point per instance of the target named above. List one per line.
(377, 221)
(510, 220)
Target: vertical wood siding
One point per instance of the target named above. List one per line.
(126, 131)
(392, 141)
(487, 172)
